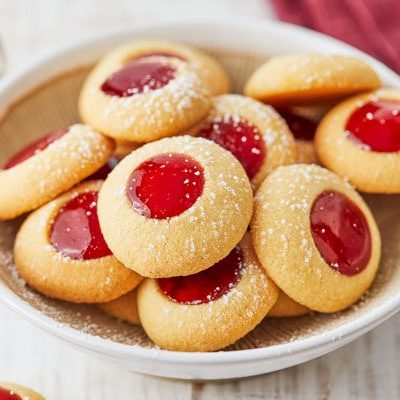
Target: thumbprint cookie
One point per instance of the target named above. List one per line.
(123, 308)
(50, 166)
(310, 78)
(60, 251)
(360, 139)
(315, 236)
(209, 310)
(180, 204)
(123, 148)
(287, 307)
(209, 70)
(12, 391)
(138, 98)
(253, 132)
(303, 129)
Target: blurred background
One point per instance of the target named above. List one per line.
(31, 27)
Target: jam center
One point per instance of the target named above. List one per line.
(340, 232)
(34, 148)
(139, 76)
(6, 394)
(75, 231)
(165, 185)
(302, 128)
(241, 138)
(376, 124)
(207, 285)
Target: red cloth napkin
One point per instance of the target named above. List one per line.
(371, 25)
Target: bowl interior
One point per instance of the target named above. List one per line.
(54, 105)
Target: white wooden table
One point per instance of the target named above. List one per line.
(366, 369)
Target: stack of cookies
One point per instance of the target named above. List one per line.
(197, 213)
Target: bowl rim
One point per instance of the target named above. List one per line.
(323, 341)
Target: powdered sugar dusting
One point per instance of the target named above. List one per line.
(273, 129)
(151, 110)
(318, 70)
(295, 191)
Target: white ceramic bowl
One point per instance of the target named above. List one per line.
(244, 35)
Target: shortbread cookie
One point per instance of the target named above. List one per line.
(313, 112)
(359, 139)
(287, 307)
(175, 207)
(141, 99)
(211, 309)
(210, 71)
(123, 148)
(12, 391)
(310, 78)
(60, 251)
(124, 308)
(315, 236)
(50, 166)
(303, 130)
(253, 132)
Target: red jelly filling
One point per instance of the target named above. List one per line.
(75, 231)
(34, 148)
(6, 394)
(165, 185)
(376, 124)
(242, 139)
(302, 128)
(341, 233)
(207, 285)
(103, 172)
(137, 77)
